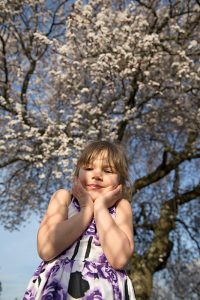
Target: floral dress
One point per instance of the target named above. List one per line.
(80, 272)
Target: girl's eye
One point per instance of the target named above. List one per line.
(88, 168)
(108, 171)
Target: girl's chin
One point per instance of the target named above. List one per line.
(94, 194)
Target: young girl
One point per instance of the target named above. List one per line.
(86, 237)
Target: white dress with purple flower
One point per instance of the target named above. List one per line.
(80, 272)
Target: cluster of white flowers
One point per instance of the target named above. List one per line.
(108, 68)
(42, 38)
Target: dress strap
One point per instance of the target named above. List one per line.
(75, 203)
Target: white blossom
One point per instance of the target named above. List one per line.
(42, 176)
(192, 44)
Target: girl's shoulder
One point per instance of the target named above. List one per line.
(123, 206)
(58, 206)
(62, 196)
(62, 193)
(123, 202)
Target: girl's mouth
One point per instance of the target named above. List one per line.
(94, 186)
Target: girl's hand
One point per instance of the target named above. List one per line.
(109, 198)
(81, 195)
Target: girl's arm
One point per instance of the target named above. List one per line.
(57, 232)
(116, 235)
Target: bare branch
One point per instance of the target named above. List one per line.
(188, 231)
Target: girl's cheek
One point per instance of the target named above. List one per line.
(82, 179)
(117, 180)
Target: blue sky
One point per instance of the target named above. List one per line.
(18, 259)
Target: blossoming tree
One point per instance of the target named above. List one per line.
(118, 70)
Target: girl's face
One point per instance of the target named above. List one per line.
(98, 177)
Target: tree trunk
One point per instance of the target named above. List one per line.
(155, 258)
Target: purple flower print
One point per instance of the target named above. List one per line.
(29, 295)
(112, 275)
(94, 295)
(54, 291)
(54, 270)
(60, 264)
(67, 263)
(90, 270)
(40, 269)
(102, 259)
(117, 292)
(105, 271)
(91, 230)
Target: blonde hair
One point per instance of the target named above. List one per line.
(116, 158)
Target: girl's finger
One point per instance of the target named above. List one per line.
(118, 188)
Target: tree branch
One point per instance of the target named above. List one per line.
(8, 162)
(5, 68)
(162, 170)
(157, 254)
(25, 85)
(188, 231)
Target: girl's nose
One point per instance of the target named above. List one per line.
(97, 174)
